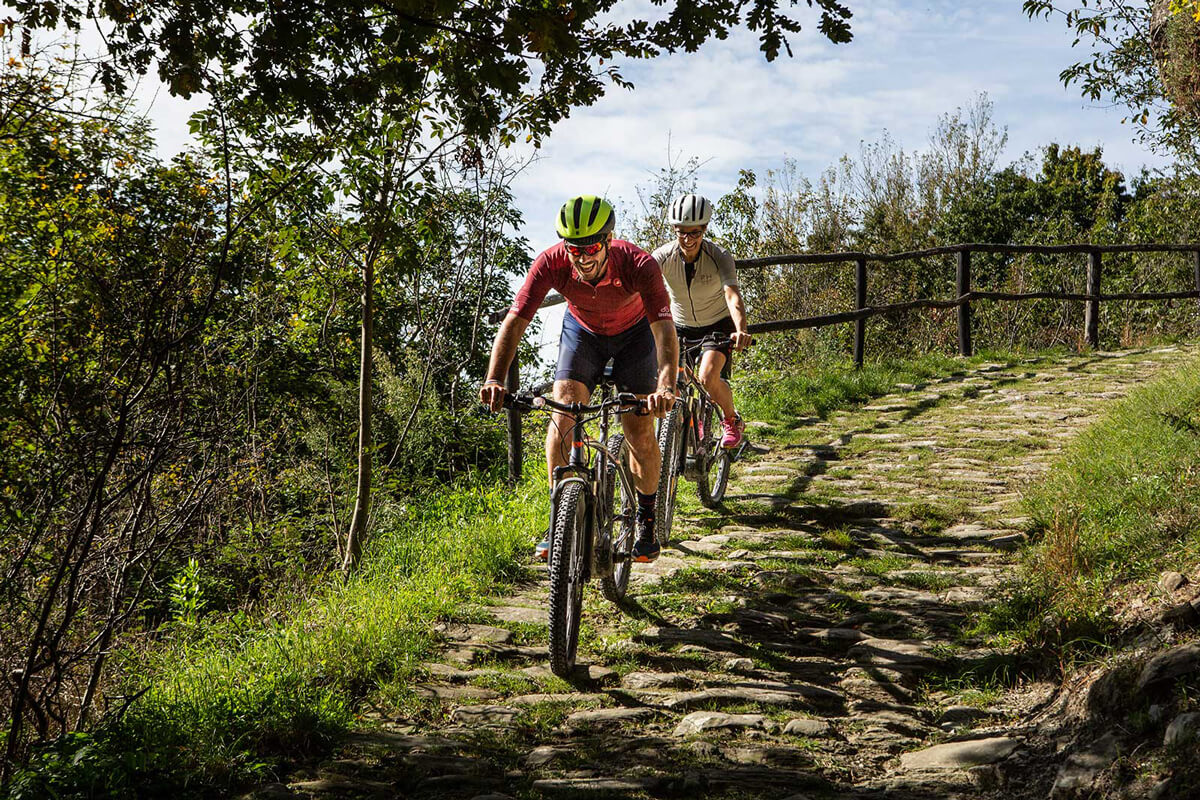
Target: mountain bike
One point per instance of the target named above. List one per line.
(690, 442)
(593, 509)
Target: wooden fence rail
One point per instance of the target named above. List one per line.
(965, 295)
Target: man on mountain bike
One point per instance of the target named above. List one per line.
(705, 299)
(618, 308)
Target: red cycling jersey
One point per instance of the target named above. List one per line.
(632, 288)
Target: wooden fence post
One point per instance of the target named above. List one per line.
(512, 383)
(964, 307)
(860, 301)
(1091, 317)
(1196, 264)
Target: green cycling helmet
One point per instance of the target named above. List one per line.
(585, 220)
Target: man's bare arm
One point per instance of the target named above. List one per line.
(667, 345)
(504, 349)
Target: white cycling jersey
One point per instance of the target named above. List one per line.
(700, 301)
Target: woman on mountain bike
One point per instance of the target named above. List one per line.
(617, 308)
(705, 298)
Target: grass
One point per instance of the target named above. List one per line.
(932, 517)
(816, 390)
(879, 565)
(233, 702)
(1120, 505)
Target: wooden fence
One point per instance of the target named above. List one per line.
(965, 296)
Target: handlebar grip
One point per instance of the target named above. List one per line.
(517, 402)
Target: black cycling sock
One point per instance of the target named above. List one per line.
(646, 504)
(645, 510)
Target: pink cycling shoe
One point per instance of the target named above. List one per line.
(731, 431)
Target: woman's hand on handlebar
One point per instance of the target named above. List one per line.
(741, 340)
(491, 394)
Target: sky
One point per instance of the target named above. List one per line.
(910, 61)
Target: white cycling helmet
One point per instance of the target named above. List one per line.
(688, 210)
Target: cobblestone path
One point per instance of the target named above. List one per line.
(809, 641)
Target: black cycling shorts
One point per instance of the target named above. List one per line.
(724, 325)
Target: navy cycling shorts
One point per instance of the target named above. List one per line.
(582, 356)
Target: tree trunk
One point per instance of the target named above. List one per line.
(362, 499)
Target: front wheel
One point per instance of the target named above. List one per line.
(713, 462)
(670, 437)
(622, 521)
(567, 571)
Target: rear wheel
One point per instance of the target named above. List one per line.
(670, 437)
(622, 530)
(712, 462)
(567, 570)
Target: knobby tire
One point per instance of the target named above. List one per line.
(670, 436)
(621, 505)
(567, 569)
(712, 471)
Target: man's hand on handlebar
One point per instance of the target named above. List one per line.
(741, 340)
(660, 402)
(491, 394)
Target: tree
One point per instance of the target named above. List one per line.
(1145, 56)
(324, 62)
(116, 273)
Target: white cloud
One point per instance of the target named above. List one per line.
(908, 64)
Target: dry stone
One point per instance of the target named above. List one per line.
(447, 694)
(804, 726)
(533, 616)
(599, 786)
(1171, 582)
(475, 634)
(1183, 730)
(959, 755)
(656, 680)
(608, 716)
(707, 720)
(541, 756)
(1078, 774)
(895, 653)
(484, 715)
(1168, 666)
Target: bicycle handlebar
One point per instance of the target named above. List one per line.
(716, 339)
(531, 399)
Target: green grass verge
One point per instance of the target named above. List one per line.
(817, 389)
(229, 703)
(1120, 504)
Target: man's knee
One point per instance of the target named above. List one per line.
(639, 431)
